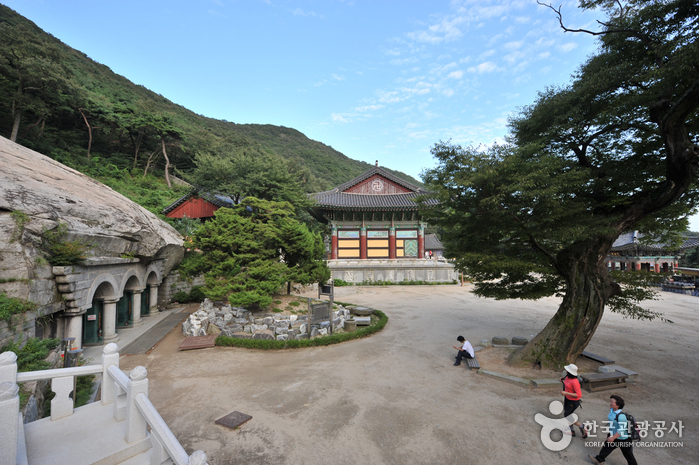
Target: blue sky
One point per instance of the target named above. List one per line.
(376, 80)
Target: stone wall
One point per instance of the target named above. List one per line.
(173, 284)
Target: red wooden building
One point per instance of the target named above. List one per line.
(200, 205)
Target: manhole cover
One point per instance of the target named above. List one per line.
(233, 420)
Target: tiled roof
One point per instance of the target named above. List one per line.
(337, 199)
(432, 242)
(217, 200)
(631, 239)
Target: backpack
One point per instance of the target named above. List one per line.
(631, 426)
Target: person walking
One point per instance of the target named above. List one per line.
(572, 396)
(618, 436)
(465, 350)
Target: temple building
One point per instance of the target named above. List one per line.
(377, 233)
(630, 253)
(197, 204)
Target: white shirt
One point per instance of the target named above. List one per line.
(468, 348)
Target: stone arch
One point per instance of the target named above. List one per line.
(132, 280)
(110, 291)
(153, 275)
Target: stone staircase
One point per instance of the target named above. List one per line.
(122, 428)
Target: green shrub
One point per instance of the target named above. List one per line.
(31, 356)
(277, 310)
(181, 297)
(340, 283)
(196, 294)
(266, 344)
(12, 306)
(295, 303)
(61, 252)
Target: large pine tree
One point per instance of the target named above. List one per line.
(615, 150)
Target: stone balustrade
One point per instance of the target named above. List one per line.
(127, 395)
(392, 270)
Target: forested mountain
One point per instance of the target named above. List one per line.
(57, 101)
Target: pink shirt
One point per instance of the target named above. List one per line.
(572, 385)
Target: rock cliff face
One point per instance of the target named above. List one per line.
(49, 193)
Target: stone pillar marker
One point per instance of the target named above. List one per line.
(362, 243)
(137, 321)
(153, 299)
(109, 323)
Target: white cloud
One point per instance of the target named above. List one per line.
(516, 45)
(487, 67)
(300, 12)
(403, 61)
(339, 118)
(568, 47)
(456, 75)
(337, 77)
(369, 108)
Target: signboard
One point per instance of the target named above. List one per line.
(326, 289)
(320, 312)
(91, 317)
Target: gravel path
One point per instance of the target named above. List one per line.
(395, 398)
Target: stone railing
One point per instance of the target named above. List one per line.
(128, 394)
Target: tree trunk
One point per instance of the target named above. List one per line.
(589, 287)
(167, 164)
(15, 126)
(33, 125)
(148, 162)
(136, 147)
(17, 111)
(89, 131)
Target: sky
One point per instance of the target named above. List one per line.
(376, 80)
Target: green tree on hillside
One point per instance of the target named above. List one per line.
(32, 77)
(242, 173)
(251, 250)
(613, 151)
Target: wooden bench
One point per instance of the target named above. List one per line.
(473, 363)
(602, 381)
(597, 358)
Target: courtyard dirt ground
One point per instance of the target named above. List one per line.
(395, 398)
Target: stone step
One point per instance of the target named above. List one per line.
(611, 368)
(89, 436)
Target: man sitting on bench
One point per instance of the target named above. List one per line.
(465, 350)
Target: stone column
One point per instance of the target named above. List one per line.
(109, 322)
(333, 243)
(137, 321)
(153, 299)
(421, 241)
(362, 243)
(74, 327)
(392, 242)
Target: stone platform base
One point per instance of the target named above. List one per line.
(395, 271)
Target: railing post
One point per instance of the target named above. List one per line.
(198, 457)
(8, 367)
(9, 408)
(110, 356)
(62, 404)
(9, 422)
(136, 425)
